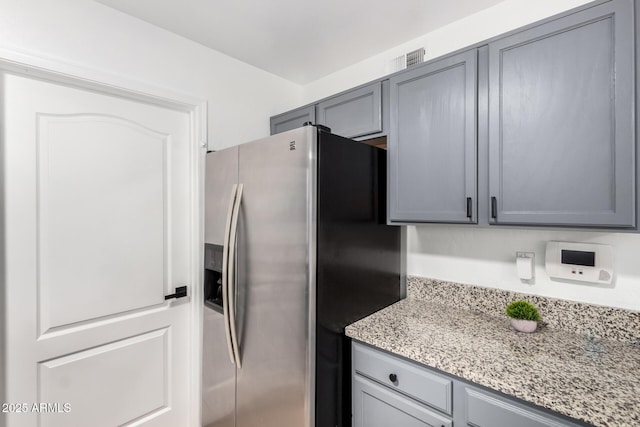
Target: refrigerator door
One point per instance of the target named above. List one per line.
(359, 260)
(276, 281)
(220, 175)
(218, 372)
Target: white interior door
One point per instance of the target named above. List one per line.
(97, 230)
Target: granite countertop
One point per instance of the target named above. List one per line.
(591, 379)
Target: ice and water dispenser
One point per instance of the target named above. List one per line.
(213, 276)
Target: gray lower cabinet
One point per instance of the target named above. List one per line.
(377, 406)
(293, 119)
(483, 409)
(390, 391)
(419, 384)
(432, 142)
(561, 121)
(355, 113)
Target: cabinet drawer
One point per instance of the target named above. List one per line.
(486, 410)
(377, 406)
(428, 388)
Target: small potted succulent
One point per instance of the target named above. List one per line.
(524, 316)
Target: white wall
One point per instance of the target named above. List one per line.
(486, 255)
(490, 22)
(241, 98)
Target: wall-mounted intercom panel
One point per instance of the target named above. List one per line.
(584, 262)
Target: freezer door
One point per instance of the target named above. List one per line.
(276, 253)
(218, 374)
(220, 175)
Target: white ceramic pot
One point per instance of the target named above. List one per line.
(524, 325)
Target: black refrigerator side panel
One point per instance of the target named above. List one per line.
(358, 265)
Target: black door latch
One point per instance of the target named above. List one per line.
(181, 291)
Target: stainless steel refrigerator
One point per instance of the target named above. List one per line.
(297, 247)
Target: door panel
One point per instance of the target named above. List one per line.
(483, 409)
(89, 146)
(432, 144)
(274, 240)
(76, 380)
(561, 121)
(97, 215)
(293, 119)
(355, 113)
(376, 406)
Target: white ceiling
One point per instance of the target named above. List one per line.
(300, 40)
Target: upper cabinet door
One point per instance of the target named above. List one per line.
(432, 142)
(293, 119)
(355, 113)
(561, 124)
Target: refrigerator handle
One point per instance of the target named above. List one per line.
(231, 279)
(225, 272)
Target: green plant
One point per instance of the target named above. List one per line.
(522, 310)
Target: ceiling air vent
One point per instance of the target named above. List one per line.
(415, 57)
(407, 60)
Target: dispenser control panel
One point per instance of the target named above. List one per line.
(585, 262)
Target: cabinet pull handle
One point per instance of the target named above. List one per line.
(494, 208)
(469, 208)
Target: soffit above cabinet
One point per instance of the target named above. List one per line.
(300, 40)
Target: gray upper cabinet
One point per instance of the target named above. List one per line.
(536, 127)
(293, 119)
(432, 142)
(353, 114)
(561, 124)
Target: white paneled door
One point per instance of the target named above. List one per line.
(97, 231)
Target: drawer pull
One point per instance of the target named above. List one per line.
(393, 378)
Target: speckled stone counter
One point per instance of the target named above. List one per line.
(592, 379)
